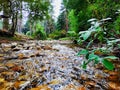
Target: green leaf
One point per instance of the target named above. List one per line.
(110, 57)
(84, 65)
(82, 52)
(86, 35)
(109, 65)
(92, 56)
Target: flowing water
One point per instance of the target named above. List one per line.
(51, 65)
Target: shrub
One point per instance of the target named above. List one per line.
(57, 34)
(39, 33)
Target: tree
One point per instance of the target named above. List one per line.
(73, 21)
(38, 9)
(61, 22)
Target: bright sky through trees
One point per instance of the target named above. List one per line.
(56, 8)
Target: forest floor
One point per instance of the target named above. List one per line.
(51, 65)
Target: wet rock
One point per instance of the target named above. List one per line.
(13, 45)
(16, 49)
(10, 57)
(3, 45)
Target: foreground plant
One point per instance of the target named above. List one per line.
(90, 56)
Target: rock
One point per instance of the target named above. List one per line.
(13, 45)
(3, 45)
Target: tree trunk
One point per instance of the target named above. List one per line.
(5, 20)
(14, 23)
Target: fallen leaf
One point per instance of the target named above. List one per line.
(2, 80)
(113, 78)
(1, 55)
(55, 81)
(81, 88)
(18, 68)
(2, 69)
(18, 83)
(41, 87)
(22, 56)
(114, 86)
(47, 47)
(113, 73)
(90, 83)
(10, 65)
(1, 58)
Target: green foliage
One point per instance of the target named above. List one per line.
(61, 22)
(40, 9)
(57, 34)
(91, 56)
(97, 31)
(39, 33)
(1, 25)
(28, 33)
(117, 25)
(73, 35)
(73, 25)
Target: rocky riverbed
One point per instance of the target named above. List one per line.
(51, 65)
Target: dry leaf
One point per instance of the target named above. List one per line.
(18, 68)
(10, 65)
(114, 86)
(41, 87)
(81, 88)
(55, 81)
(1, 55)
(2, 80)
(18, 83)
(90, 83)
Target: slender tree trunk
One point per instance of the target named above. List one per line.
(5, 20)
(14, 23)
